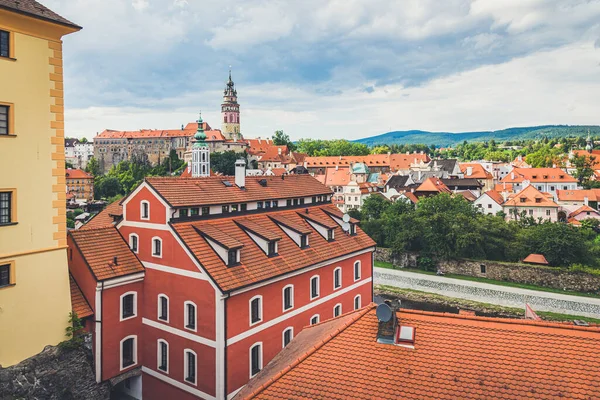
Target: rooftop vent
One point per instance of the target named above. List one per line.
(227, 183)
(115, 260)
(580, 322)
(262, 182)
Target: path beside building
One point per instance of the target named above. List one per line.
(489, 293)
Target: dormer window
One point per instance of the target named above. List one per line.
(205, 210)
(275, 203)
(272, 248)
(225, 209)
(232, 257)
(523, 199)
(259, 205)
(538, 200)
(330, 235)
(194, 211)
(288, 202)
(303, 241)
(352, 229)
(183, 213)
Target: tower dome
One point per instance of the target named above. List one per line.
(200, 152)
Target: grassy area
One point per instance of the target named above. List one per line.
(492, 281)
(417, 295)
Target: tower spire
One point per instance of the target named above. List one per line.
(589, 143)
(200, 152)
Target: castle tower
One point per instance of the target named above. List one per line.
(230, 111)
(589, 143)
(200, 153)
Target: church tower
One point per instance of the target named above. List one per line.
(200, 153)
(230, 111)
(589, 143)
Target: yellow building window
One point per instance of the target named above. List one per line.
(7, 120)
(7, 274)
(8, 207)
(6, 45)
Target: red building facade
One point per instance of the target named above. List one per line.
(222, 273)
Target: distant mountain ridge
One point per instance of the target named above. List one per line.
(446, 139)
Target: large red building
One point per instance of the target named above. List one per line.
(197, 283)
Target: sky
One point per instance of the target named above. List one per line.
(331, 69)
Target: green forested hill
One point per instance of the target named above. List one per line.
(444, 139)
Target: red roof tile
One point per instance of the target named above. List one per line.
(538, 175)
(394, 161)
(454, 357)
(536, 259)
(256, 266)
(477, 171)
(433, 185)
(106, 217)
(186, 192)
(79, 304)
(578, 195)
(583, 209)
(100, 246)
(494, 195)
(530, 197)
(77, 174)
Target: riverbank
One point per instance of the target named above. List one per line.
(416, 299)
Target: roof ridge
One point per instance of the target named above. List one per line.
(510, 321)
(359, 313)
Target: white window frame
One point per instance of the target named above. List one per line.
(283, 298)
(336, 306)
(158, 308)
(317, 316)
(161, 247)
(260, 358)
(142, 210)
(260, 310)
(135, 355)
(185, 316)
(159, 358)
(289, 328)
(359, 302)
(318, 287)
(131, 236)
(359, 270)
(185, 367)
(135, 308)
(334, 271)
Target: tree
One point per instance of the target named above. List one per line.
(68, 165)
(93, 167)
(373, 207)
(106, 186)
(584, 167)
(83, 140)
(224, 162)
(282, 139)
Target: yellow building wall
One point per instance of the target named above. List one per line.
(34, 311)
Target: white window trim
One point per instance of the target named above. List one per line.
(318, 287)
(132, 235)
(158, 308)
(185, 367)
(161, 247)
(142, 210)
(311, 318)
(134, 306)
(260, 310)
(334, 307)
(283, 298)
(359, 302)
(135, 358)
(158, 355)
(334, 271)
(260, 358)
(289, 328)
(185, 316)
(359, 270)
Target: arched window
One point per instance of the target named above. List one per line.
(337, 310)
(128, 305)
(157, 247)
(314, 319)
(189, 366)
(190, 315)
(357, 302)
(255, 310)
(134, 242)
(288, 297)
(255, 358)
(314, 287)
(128, 348)
(337, 278)
(144, 210)
(357, 270)
(162, 355)
(163, 307)
(287, 336)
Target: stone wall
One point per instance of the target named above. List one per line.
(557, 278)
(404, 260)
(55, 373)
(524, 273)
